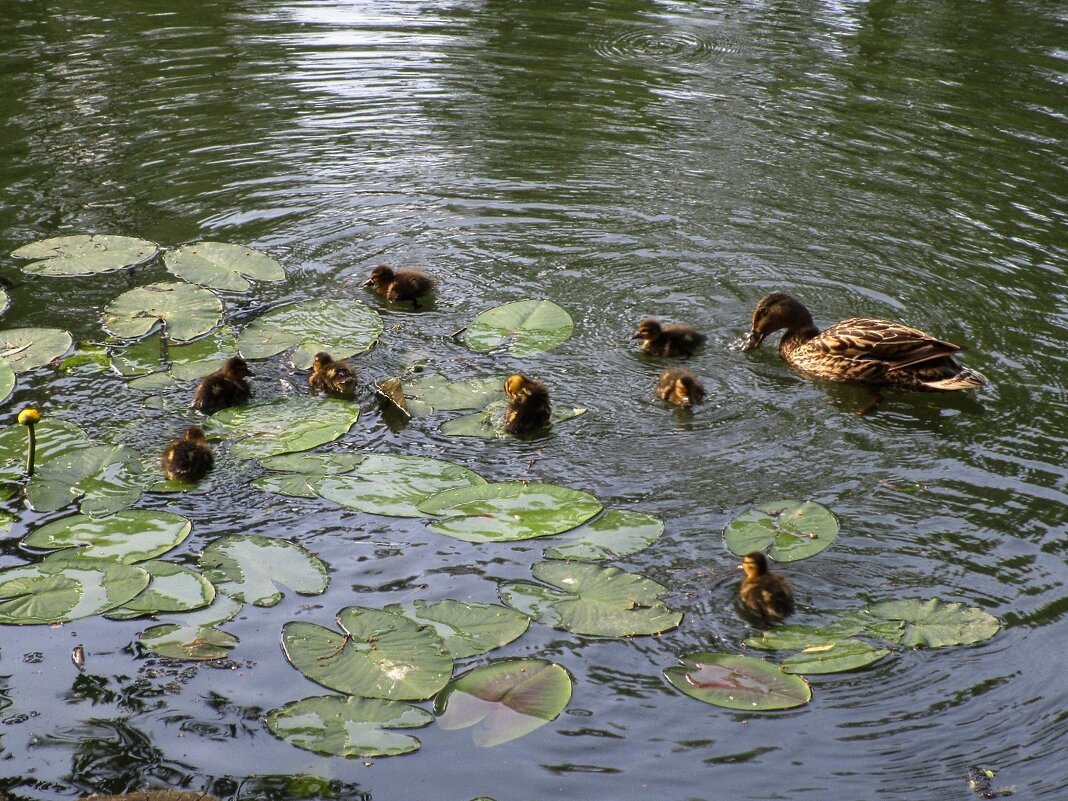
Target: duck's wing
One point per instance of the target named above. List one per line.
(894, 344)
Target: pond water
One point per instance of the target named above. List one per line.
(625, 159)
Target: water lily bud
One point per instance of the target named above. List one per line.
(29, 416)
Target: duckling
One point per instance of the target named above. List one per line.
(333, 377)
(225, 387)
(188, 458)
(529, 408)
(762, 591)
(402, 285)
(680, 387)
(668, 340)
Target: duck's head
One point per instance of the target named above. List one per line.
(322, 360)
(773, 313)
(754, 564)
(381, 277)
(515, 384)
(194, 434)
(647, 329)
(687, 390)
(237, 368)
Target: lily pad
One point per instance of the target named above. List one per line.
(348, 727)
(222, 266)
(59, 589)
(5, 300)
(429, 392)
(342, 327)
(130, 536)
(504, 700)
(106, 478)
(382, 654)
(612, 535)
(202, 356)
(838, 657)
(248, 566)
(525, 327)
(55, 437)
(789, 530)
(489, 423)
(590, 599)
(284, 425)
(196, 636)
(384, 484)
(935, 624)
(738, 682)
(466, 629)
(93, 357)
(794, 637)
(509, 511)
(7, 381)
(85, 254)
(29, 348)
(308, 469)
(174, 588)
(186, 311)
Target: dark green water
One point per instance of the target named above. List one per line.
(901, 160)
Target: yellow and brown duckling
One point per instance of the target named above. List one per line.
(680, 387)
(227, 386)
(332, 376)
(529, 409)
(859, 349)
(400, 286)
(668, 340)
(188, 458)
(764, 592)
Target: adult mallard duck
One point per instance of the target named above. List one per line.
(680, 387)
(225, 387)
(529, 409)
(876, 352)
(668, 340)
(401, 285)
(332, 376)
(188, 458)
(762, 591)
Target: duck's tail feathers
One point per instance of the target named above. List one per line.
(965, 379)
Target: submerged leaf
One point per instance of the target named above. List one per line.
(789, 530)
(284, 425)
(248, 566)
(738, 682)
(29, 348)
(85, 254)
(340, 326)
(222, 266)
(466, 629)
(614, 534)
(186, 311)
(525, 327)
(130, 536)
(348, 727)
(61, 588)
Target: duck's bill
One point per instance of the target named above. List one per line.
(753, 341)
(636, 335)
(369, 282)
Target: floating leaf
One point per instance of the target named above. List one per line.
(7, 381)
(935, 624)
(466, 629)
(55, 437)
(342, 327)
(202, 356)
(527, 326)
(489, 423)
(308, 469)
(174, 588)
(59, 589)
(222, 266)
(395, 485)
(247, 566)
(738, 682)
(85, 254)
(186, 311)
(836, 657)
(382, 654)
(5, 300)
(95, 358)
(127, 537)
(590, 599)
(283, 425)
(106, 478)
(430, 392)
(509, 511)
(612, 535)
(195, 637)
(790, 530)
(139, 358)
(350, 727)
(504, 700)
(29, 348)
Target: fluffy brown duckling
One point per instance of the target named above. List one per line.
(764, 592)
(668, 340)
(401, 285)
(680, 387)
(529, 409)
(332, 376)
(225, 387)
(188, 458)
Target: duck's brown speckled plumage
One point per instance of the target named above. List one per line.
(860, 349)
(764, 592)
(225, 387)
(529, 409)
(332, 376)
(188, 458)
(400, 286)
(680, 387)
(668, 340)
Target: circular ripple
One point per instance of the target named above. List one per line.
(677, 46)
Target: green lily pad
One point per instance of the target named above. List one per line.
(382, 654)
(509, 511)
(525, 327)
(738, 682)
(284, 425)
(7, 381)
(5, 300)
(247, 567)
(308, 469)
(612, 535)
(466, 629)
(95, 358)
(55, 438)
(59, 589)
(789, 530)
(504, 700)
(202, 356)
(138, 358)
(429, 392)
(838, 657)
(29, 348)
(174, 588)
(186, 311)
(222, 266)
(590, 599)
(129, 536)
(935, 624)
(793, 637)
(342, 327)
(383, 484)
(489, 423)
(85, 254)
(195, 637)
(348, 727)
(106, 478)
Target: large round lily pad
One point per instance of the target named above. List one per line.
(504, 700)
(341, 326)
(348, 727)
(466, 629)
(186, 311)
(174, 588)
(59, 588)
(307, 471)
(509, 511)
(105, 478)
(836, 657)
(284, 425)
(248, 566)
(935, 624)
(590, 599)
(222, 266)
(525, 327)
(55, 438)
(789, 530)
(738, 682)
(85, 254)
(613, 535)
(29, 348)
(129, 536)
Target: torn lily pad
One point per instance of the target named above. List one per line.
(174, 588)
(285, 425)
(788, 530)
(466, 629)
(63, 588)
(524, 328)
(185, 311)
(29, 348)
(345, 726)
(341, 326)
(133, 535)
(195, 637)
(738, 682)
(220, 265)
(85, 254)
(247, 567)
(614, 534)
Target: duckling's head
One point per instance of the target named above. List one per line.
(194, 434)
(687, 390)
(754, 564)
(322, 360)
(647, 329)
(773, 313)
(237, 368)
(381, 277)
(515, 384)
